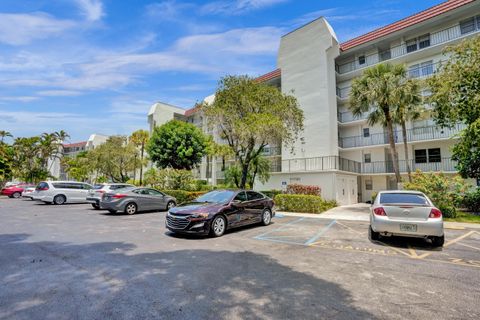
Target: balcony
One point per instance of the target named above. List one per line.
(436, 38)
(345, 117)
(328, 163)
(414, 134)
(445, 165)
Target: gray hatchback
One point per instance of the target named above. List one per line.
(132, 200)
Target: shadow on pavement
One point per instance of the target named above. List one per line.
(111, 280)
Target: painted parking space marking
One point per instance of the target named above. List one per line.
(349, 236)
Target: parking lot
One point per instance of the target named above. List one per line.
(70, 261)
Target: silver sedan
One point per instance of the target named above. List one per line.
(132, 200)
(406, 213)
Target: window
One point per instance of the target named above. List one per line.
(368, 185)
(241, 196)
(434, 155)
(421, 156)
(403, 198)
(411, 45)
(153, 192)
(367, 158)
(467, 26)
(414, 71)
(427, 68)
(385, 55)
(421, 69)
(424, 41)
(366, 132)
(251, 195)
(430, 155)
(361, 60)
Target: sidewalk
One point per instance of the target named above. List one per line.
(361, 212)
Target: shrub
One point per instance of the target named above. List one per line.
(171, 179)
(271, 193)
(471, 201)
(303, 189)
(302, 203)
(184, 196)
(445, 192)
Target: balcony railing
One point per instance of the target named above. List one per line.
(445, 164)
(436, 38)
(344, 117)
(320, 164)
(414, 134)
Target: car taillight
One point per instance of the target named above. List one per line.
(43, 189)
(435, 213)
(379, 211)
(119, 196)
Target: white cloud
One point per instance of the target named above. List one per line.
(21, 29)
(91, 9)
(234, 7)
(59, 93)
(19, 99)
(167, 10)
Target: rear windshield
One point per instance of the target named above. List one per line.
(42, 185)
(98, 186)
(403, 198)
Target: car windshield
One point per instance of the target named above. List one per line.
(403, 198)
(216, 196)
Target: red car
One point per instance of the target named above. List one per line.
(14, 191)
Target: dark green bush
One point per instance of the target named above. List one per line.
(271, 193)
(184, 196)
(471, 201)
(302, 203)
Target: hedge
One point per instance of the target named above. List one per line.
(302, 203)
(304, 189)
(184, 196)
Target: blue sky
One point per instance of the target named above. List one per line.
(96, 66)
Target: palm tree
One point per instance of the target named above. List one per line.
(409, 108)
(374, 93)
(4, 134)
(140, 138)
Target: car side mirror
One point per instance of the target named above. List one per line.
(236, 202)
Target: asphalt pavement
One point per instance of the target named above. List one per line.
(73, 262)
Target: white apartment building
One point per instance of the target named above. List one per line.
(342, 154)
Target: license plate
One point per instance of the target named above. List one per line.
(408, 227)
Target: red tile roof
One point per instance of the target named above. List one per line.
(191, 111)
(269, 76)
(76, 144)
(405, 23)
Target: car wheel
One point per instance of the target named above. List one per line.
(131, 208)
(170, 205)
(438, 241)
(266, 217)
(218, 226)
(374, 236)
(112, 211)
(60, 199)
(16, 195)
(95, 206)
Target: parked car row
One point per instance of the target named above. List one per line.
(212, 213)
(17, 190)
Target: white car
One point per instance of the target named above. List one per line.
(60, 192)
(27, 192)
(96, 193)
(406, 213)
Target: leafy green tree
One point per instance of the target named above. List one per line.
(6, 162)
(375, 93)
(78, 167)
(4, 134)
(114, 159)
(259, 168)
(140, 138)
(408, 108)
(456, 99)
(177, 145)
(249, 115)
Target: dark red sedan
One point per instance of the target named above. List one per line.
(220, 210)
(14, 191)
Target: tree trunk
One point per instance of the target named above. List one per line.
(393, 149)
(405, 146)
(135, 168)
(141, 164)
(243, 181)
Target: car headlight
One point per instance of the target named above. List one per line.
(199, 216)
